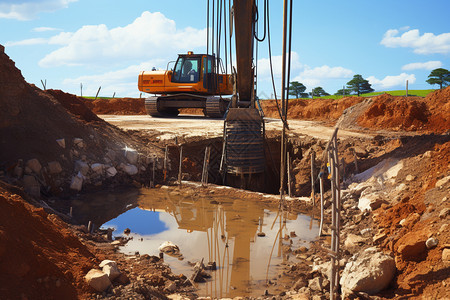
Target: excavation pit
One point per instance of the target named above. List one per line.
(244, 233)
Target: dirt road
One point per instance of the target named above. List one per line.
(192, 125)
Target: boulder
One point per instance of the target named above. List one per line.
(111, 172)
(369, 271)
(446, 255)
(98, 280)
(97, 168)
(131, 155)
(129, 169)
(34, 165)
(109, 267)
(441, 182)
(31, 185)
(81, 166)
(370, 201)
(170, 249)
(78, 142)
(412, 245)
(77, 182)
(353, 242)
(54, 167)
(61, 143)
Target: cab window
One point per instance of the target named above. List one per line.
(186, 70)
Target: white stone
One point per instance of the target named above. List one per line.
(34, 165)
(97, 167)
(61, 143)
(410, 177)
(111, 172)
(129, 169)
(109, 267)
(369, 271)
(98, 280)
(77, 182)
(78, 142)
(369, 201)
(169, 248)
(81, 166)
(54, 167)
(446, 255)
(431, 243)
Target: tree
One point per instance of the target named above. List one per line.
(439, 76)
(359, 85)
(297, 89)
(343, 92)
(318, 92)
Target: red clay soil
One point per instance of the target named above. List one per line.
(116, 106)
(409, 113)
(326, 110)
(38, 254)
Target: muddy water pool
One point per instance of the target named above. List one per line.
(247, 237)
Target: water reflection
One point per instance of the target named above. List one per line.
(248, 239)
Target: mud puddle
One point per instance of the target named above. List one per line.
(246, 235)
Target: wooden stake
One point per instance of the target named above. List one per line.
(356, 162)
(165, 163)
(98, 91)
(179, 169)
(313, 190)
(289, 174)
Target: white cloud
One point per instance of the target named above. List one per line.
(264, 65)
(314, 77)
(122, 82)
(428, 43)
(391, 81)
(29, 9)
(27, 42)
(150, 35)
(429, 65)
(44, 29)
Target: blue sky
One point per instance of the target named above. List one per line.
(107, 42)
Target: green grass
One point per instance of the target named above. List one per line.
(92, 98)
(420, 93)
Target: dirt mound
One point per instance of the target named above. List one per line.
(38, 254)
(327, 110)
(116, 106)
(409, 113)
(31, 120)
(74, 105)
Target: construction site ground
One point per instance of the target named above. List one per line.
(44, 254)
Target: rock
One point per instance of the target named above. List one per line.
(316, 284)
(34, 165)
(131, 155)
(324, 268)
(18, 169)
(411, 246)
(410, 220)
(444, 213)
(111, 172)
(171, 287)
(443, 228)
(109, 267)
(442, 182)
(410, 177)
(78, 142)
(77, 182)
(379, 237)
(123, 279)
(54, 167)
(129, 169)
(446, 255)
(97, 280)
(369, 271)
(169, 248)
(370, 201)
(61, 143)
(81, 166)
(97, 168)
(431, 243)
(353, 241)
(31, 185)
(300, 283)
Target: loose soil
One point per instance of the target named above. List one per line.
(44, 257)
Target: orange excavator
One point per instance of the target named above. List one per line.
(193, 83)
